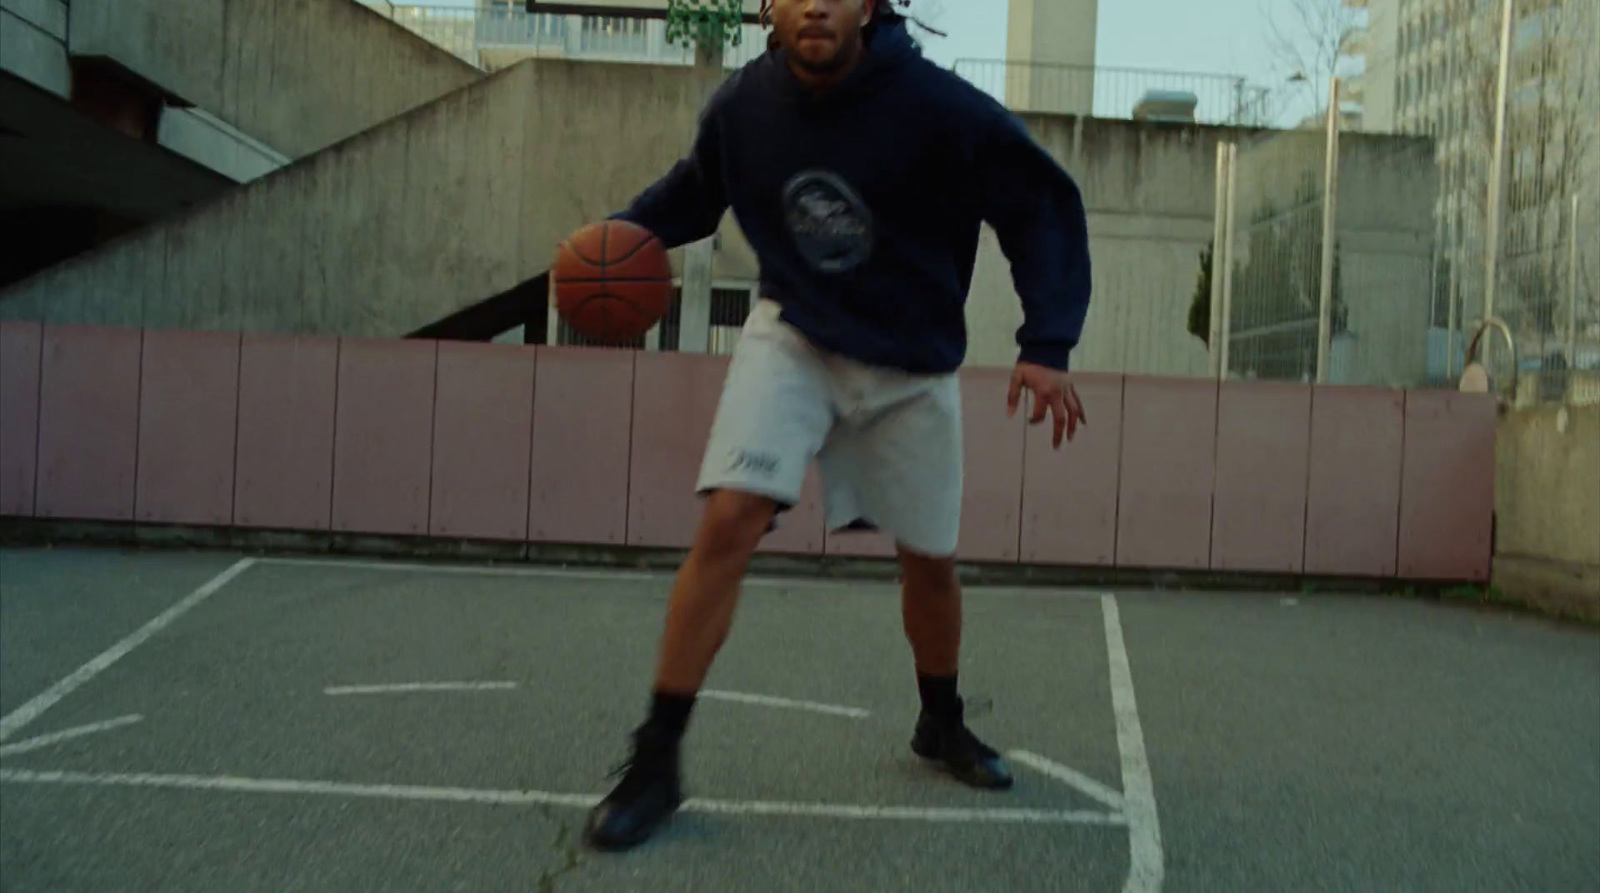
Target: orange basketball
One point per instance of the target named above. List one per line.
(613, 281)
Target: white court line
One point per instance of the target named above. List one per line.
(32, 710)
(1146, 868)
(1071, 777)
(546, 798)
(44, 741)
(407, 687)
(651, 576)
(784, 703)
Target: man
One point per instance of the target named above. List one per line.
(860, 173)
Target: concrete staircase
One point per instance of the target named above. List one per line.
(402, 225)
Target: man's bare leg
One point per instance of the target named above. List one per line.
(930, 607)
(699, 614)
(700, 610)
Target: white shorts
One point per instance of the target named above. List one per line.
(888, 443)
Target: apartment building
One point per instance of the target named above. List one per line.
(1432, 69)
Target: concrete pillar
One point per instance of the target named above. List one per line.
(694, 320)
(1050, 56)
(699, 258)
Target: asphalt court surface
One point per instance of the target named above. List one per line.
(1183, 741)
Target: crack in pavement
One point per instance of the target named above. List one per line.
(566, 842)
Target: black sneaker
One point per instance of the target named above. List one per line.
(946, 740)
(648, 794)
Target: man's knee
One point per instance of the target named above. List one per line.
(734, 522)
(922, 570)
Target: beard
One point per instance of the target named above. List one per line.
(846, 51)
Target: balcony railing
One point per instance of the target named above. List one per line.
(1118, 92)
(492, 37)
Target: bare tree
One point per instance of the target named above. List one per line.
(1550, 131)
(1310, 44)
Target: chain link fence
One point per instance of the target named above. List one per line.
(1117, 92)
(1273, 254)
(1277, 280)
(1536, 332)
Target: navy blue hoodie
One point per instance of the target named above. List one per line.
(864, 203)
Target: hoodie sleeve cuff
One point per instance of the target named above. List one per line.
(1050, 356)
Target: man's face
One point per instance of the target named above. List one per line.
(821, 37)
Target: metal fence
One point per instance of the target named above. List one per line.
(1546, 299)
(1278, 310)
(1518, 223)
(494, 36)
(452, 28)
(1273, 290)
(729, 306)
(1117, 92)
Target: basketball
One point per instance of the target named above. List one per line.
(613, 281)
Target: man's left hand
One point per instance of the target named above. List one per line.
(1051, 390)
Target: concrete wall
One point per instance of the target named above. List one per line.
(204, 138)
(1547, 508)
(465, 198)
(1387, 190)
(402, 225)
(33, 35)
(1149, 190)
(1547, 484)
(298, 75)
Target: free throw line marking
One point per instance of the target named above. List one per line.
(620, 576)
(1070, 777)
(43, 741)
(546, 798)
(1146, 868)
(408, 687)
(784, 703)
(33, 709)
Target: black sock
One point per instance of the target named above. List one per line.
(939, 695)
(670, 711)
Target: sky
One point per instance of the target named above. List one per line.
(1211, 36)
(1225, 37)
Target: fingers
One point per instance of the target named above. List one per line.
(1041, 405)
(1054, 395)
(1075, 415)
(1058, 408)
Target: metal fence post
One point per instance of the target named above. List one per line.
(1453, 296)
(1572, 288)
(1497, 167)
(1227, 257)
(1330, 207)
(1219, 259)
